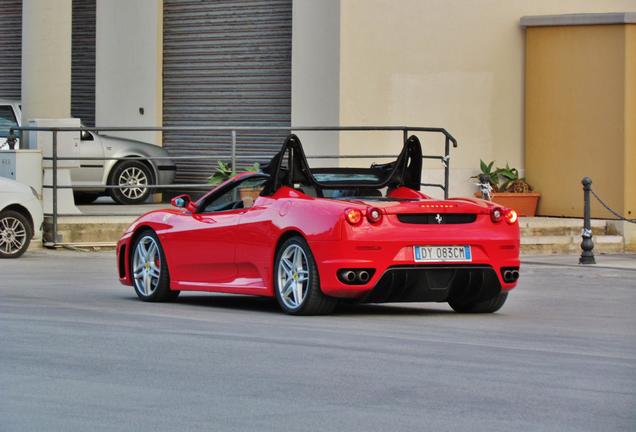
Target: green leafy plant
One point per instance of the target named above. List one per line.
(255, 167)
(224, 172)
(503, 179)
(507, 176)
(487, 170)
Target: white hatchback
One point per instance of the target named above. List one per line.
(20, 218)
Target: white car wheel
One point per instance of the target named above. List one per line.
(15, 234)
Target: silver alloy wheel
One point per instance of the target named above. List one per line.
(136, 179)
(13, 235)
(293, 276)
(146, 266)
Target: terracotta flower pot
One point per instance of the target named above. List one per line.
(250, 192)
(525, 204)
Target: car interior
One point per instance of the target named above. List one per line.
(290, 168)
(239, 196)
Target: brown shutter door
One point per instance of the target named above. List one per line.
(83, 62)
(10, 49)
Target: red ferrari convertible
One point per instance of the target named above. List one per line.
(313, 237)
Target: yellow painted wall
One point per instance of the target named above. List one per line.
(452, 63)
(630, 124)
(577, 103)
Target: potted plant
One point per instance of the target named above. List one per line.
(508, 189)
(224, 172)
(251, 192)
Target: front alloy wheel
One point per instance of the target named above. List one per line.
(297, 282)
(149, 271)
(15, 234)
(133, 177)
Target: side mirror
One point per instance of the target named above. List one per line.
(183, 201)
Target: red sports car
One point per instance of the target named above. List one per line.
(313, 237)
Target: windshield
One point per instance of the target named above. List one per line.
(7, 120)
(345, 177)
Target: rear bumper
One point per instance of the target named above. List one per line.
(34, 208)
(390, 256)
(434, 284)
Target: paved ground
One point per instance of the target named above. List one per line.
(625, 261)
(79, 352)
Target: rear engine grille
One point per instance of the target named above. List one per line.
(437, 218)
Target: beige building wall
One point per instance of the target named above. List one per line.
(457, 64)
(129, 66)
(316, 73)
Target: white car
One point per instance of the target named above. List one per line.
(20, 217)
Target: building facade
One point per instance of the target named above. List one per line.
(455, 64)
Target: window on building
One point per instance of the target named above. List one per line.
(7, 120)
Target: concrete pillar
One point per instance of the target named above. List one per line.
(129, 66)
(316, 74)
(46, 59)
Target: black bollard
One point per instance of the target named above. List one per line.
(587, 256)
(11, 140)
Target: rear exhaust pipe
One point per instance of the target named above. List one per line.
(510, 276)
(507, 276)
(363, 276)
(348, 276)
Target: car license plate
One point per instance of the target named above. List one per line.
(442, 253)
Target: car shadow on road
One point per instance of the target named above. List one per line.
(269, 305)
(229, 301)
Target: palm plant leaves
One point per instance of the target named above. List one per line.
(502, 179)
(224, 171)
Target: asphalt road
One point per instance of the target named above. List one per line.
(78, 352)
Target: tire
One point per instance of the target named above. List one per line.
(294, 264)
(135, 173)
(16, 232)
(149, 261)
(486, 306)
(84, 197)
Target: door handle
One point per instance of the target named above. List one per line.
(204, 219)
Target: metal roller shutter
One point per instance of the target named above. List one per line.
(10, 49)
(83, 62)
(226, 63)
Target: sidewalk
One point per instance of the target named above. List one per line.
(613, 261)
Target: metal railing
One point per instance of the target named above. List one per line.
(233, 132)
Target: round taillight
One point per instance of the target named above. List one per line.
(496, 214)
(353, 216)
(374, 215)
(511, 216)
